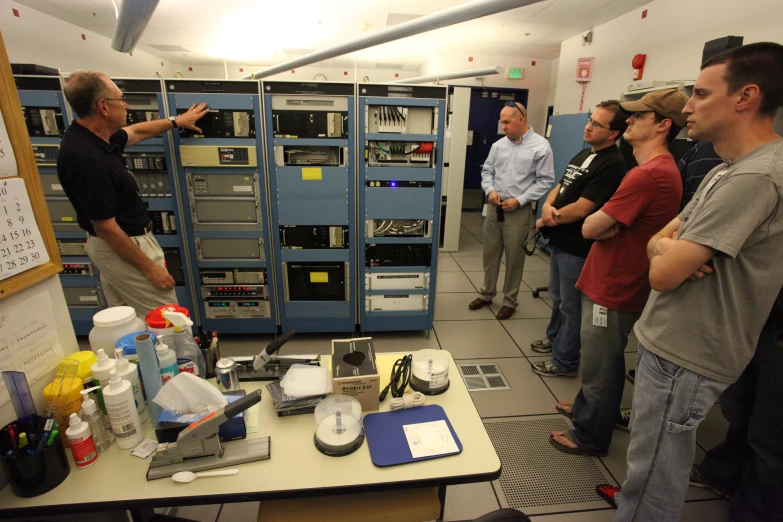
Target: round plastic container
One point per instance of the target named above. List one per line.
(430, 372)
(161, 327)
(338, 421)
(110, 325)
(86, 359)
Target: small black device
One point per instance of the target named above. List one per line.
(719, 45)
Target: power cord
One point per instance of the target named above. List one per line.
(409, 400)
(400, 378)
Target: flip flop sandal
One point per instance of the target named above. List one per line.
(608, 493)
(569, 414)
(574, 451)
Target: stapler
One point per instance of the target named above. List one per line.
(198, 446)
(268, 365)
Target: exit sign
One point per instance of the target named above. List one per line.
(515, 73)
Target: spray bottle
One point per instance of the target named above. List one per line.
(167, 362)
(128, 372)
(124, 418)
(82, 445)
(100, 371)
(189, 358)
(92, 416)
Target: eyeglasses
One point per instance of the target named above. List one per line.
(514, 104)
(595, 124)
(123, 99)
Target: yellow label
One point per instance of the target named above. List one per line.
(319, 277)
(366, 153)
(311, 174)
(69, 219)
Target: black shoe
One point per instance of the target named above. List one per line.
(623, 419)
(698, 480)
(631, 376)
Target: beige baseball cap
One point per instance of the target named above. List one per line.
(668, 103)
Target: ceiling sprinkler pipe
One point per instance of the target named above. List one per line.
(484, 71)
(131, 22)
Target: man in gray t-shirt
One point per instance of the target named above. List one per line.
(715, 272)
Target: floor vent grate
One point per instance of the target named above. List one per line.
(483, 377)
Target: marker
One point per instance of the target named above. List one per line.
(52, 437)
(12, 435)
(22, 440)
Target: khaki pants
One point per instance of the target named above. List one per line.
(122, 283)
(509, 236)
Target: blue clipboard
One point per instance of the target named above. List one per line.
(386, 438)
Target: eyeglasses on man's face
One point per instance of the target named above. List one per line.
(595, 124)
(514, 104)
(123, 99)
(636, 116)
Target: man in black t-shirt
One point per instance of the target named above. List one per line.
(590, 179)
(105, 195)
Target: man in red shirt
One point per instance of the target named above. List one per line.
(614, 281)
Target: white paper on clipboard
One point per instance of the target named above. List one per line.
(7, 159)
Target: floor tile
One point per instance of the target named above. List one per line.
(525, 331)
(471, 219)
(598, 515)
(469, 250)
(547, 300)
(527, 396)
(563, 388)
(476, 230)
(471, 263)
(633, 343)
(536, 264)
(469, 501)
(454, 282)
(529, 307)
(206, 513)
(468, 239)
(454, 307)
(475, 339)
(477, 278)
(712, 429)
(712, 510)
(535, 279)
(239, 512)
(403, 341)
(446, 263)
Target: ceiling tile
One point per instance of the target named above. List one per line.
(521, 14)
(569, 11)
(538, 51)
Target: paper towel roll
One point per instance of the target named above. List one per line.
(150, 372)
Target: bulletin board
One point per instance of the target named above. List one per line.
(28, 249)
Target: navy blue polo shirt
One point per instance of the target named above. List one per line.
(93, 175)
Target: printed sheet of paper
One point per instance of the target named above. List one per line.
(429, 439)
(21, 244)
(28, 340)
(7, 159)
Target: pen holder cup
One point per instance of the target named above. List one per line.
(33, 475)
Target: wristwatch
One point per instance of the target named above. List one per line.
(173, 120)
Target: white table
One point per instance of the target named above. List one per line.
(296, 468)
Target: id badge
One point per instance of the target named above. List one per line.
(599, 315)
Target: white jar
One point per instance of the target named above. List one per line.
(110, 325)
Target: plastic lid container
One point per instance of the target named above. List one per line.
(128, 345)
(114, 316)
(430, 371)
(155, 318)
(338, 421)
(303, 380)
(86, 359)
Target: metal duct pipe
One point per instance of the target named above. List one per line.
(451, 16)
(131, 22)
(485, 71)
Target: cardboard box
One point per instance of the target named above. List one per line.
(354, 372)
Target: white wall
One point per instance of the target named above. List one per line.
(332, 74)
(41, 39)
(536, 78)
(550, 100)
(672, 36)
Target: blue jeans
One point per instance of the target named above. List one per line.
(669, 403)
(564, 271)
(603, 376)
(748, 464)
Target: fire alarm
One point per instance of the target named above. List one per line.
(638, 66)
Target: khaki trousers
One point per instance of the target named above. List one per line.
(509, 236)
(122, 283)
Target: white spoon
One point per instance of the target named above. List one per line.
(189, 476)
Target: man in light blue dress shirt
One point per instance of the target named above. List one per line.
(517, 172)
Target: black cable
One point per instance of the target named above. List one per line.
(400, 378)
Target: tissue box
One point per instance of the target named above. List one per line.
(171, 423)
(354, 372)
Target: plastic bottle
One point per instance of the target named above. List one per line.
(100, 371)
(73, 402)
(111, 324)
(123, 416)
(161, 326)
(129, 372)
(189, 358)
(167, 361)
(92, 416)
(82, 445)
